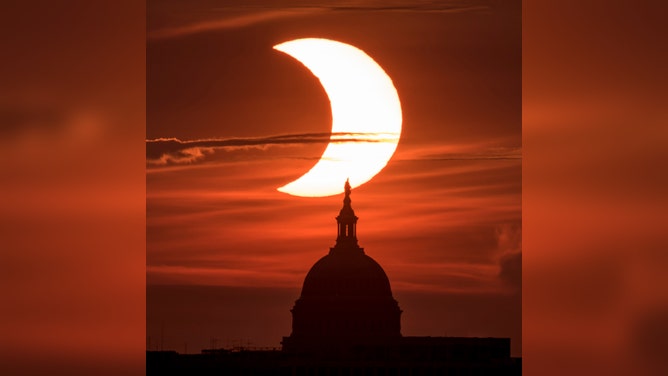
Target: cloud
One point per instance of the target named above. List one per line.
(229, 23)
(163, 151)
(497, 148)
(509, 238)
(250, 16)
(498, 153)
(173, 151)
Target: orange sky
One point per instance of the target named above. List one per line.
(593, 194)
(443, 218)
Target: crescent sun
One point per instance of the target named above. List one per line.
(366, 116)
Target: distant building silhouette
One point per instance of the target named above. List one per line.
(346, 322)
(346, 299)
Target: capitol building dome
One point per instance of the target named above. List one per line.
(346, 274)
(346, 299)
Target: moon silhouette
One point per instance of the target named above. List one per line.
(366, 116)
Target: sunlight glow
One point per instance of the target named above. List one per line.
(365, 105)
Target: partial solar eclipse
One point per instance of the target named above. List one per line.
(366, 116)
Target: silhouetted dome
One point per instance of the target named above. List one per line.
(346, 274)
(346, 299)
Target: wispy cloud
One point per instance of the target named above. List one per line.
(238, 17)
(483, 150)
(163, 151)
(230, 22)
(173, 151)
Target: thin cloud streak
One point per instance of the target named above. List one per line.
(164, 151)
(501, 148)
(257, 16)
(170, 152)
(230, 23)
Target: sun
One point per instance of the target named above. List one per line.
(366, 116)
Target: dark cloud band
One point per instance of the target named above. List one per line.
(166, 150)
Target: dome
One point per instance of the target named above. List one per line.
(346, 299)
(346, 274)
